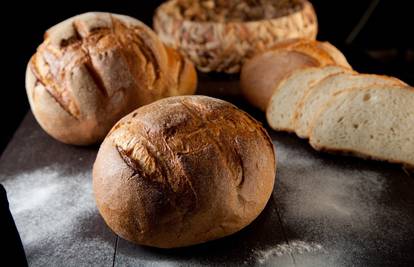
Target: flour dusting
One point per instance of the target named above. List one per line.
(50, 202)
(325, 192)
(295, 247)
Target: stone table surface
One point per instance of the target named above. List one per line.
(325, 210)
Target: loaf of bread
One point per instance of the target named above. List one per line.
(286, 97)
(335, 54)
(316, 96)
(325, 52)
(262, 74)
(220, 35)
(182, 171)
(375, 122)
(94, 68)
(321, 99)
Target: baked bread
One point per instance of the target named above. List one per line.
(219, 35)
(335, 54)
(94, 68)
(263, 73)
(321, 92)
(285, 98)
(375, 122)
(182, 171)
(325, 52)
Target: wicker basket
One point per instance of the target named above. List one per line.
(223, 46)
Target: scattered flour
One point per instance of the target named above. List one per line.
(294, 246)
(317, 190)
(45, 203)
(33, 197)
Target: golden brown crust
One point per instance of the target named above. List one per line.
(183, 73)
(262, 74)
(217, 41)
(325, 52)
(182, 171)
(335, 53)
(95, 68)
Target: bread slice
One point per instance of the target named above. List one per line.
(375, 122)
(322, 91)
(286, 96)
(261, 74)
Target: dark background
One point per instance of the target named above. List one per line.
(384, 45)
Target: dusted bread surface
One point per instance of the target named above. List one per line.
(94, 68)
(182, 171)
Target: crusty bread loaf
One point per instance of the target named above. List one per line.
(94, 68)
(335, 53)
(285, 98)
(262, 74)
(183, 170)
(375, 122)
(325, 52)
(220, 35)
(322, 91)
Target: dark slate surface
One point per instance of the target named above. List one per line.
(49, 186)
(325, 210)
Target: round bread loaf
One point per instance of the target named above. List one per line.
(182, 171)
(94, 68)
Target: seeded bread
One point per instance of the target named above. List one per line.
(285, 98)
(322, 91)
(375, 122)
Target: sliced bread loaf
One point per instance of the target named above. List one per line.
(335, 53)
(281, 108)
(375, 122)
(310, 48)
(324, 51)
(261, 74)
(322, 91)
